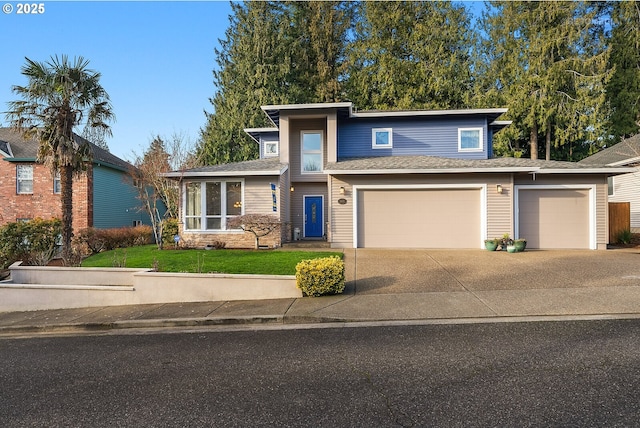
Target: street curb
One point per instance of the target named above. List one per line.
(290, 322)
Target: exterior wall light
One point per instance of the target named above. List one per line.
(291, 189)
(499, 188)
(342, 190)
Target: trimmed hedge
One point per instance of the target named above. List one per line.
(97, 240)
(318, 277)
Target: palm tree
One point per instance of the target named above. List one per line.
(58, 97)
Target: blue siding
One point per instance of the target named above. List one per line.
(429, 136)
(115, 202)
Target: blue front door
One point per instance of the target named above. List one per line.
(313, 216)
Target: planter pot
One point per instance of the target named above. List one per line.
(490, 245)
(511, 248)
(520, 245)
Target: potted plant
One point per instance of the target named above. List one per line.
(520, 244)
(506, 242)
(491, 244)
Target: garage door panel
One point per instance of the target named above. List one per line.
(554, 218)
(447, 218)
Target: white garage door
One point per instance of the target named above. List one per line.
(554, 218)
(419, 218)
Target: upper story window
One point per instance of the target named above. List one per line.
(209, 205)
(381, 138)
(470, 139)
(56, 182)
(270, 149)
(24, 179)
(311, 151)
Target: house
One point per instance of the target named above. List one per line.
(411, 179)
(625, 187)
(103, 198)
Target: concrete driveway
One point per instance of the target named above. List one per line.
(381, 271)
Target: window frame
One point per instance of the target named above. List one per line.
(611, 186)
(375, 131)
(311, 152)
(268, 154)
(480, 147)
(56, 179)
(22, 180)
(203, 217)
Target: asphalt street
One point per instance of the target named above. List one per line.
(580, 373)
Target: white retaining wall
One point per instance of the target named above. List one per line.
(37, 287)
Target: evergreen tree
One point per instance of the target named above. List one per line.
(273, 53)
(410, 55)
(547, 62)
(253, 65)
(623, 90)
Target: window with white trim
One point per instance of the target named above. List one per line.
(209, 205)
(311, 152)
(24, 179)
(381, 138)
(610, 186)
(270, 149)
(56, 182)
(470, 139)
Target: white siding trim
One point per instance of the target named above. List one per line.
(592, 205)
(480, 186)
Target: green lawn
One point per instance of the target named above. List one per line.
(267, 262)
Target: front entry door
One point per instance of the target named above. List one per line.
(313, 217)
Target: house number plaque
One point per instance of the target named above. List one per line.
(342, 201)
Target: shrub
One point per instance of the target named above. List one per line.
(321, 276)
(169, 230)
(624, 237)
(96, 240)
(33, 242)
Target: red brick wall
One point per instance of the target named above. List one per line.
(43, 202)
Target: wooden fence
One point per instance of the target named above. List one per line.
(619, 219)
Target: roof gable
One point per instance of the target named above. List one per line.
(624, 153)
(20, 148)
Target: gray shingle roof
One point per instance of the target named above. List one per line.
(28, 149)
(616, 154)
(267, 166)
(390, 164)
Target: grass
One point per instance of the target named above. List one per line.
(265, 262)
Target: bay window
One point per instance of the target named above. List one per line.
(209, 205)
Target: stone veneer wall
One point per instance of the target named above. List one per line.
(231, 239)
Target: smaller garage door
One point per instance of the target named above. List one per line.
(554, 218)
(419, 218)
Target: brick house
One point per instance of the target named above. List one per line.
(103, 198)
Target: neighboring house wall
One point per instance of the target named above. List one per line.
(411, 136)
(42, 202)
(115, 200)
(626, 188)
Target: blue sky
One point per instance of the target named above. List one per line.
(156, 59)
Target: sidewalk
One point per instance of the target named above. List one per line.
(388, 285)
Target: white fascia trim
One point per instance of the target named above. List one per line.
(429, 171)
(592, 205)
(272, 129)
(501, 123)
(307, 106)
(223, 173)
(483, 201)
(603, 170)
(428, 112)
